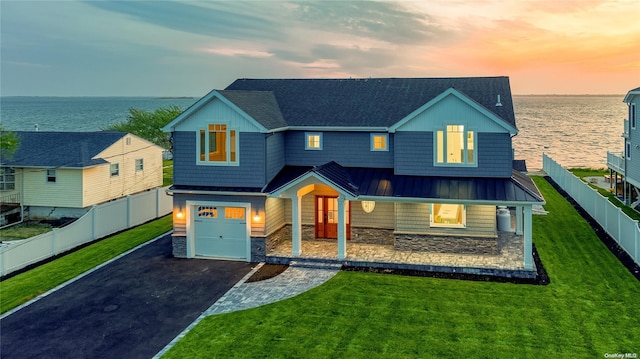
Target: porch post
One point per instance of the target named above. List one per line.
(342, 228)
(528, 238)
(519, 220)
(296, 226)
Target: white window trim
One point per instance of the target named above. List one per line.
(462, 164)
(628, 150)
(55, 175)
(386, 141)
(4, 183)
(306, 141)
(228, 145)
(446, 225)
(141, 164)
(117, 166)
(632, 115)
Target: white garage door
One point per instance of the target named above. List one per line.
(220, 232)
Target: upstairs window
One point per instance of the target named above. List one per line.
(114, 169)
(7, 179)
(455, 146)
(313, 141)
(51, 176)
(632, 115)
(218, 145)
(379, 142)
(139, 164)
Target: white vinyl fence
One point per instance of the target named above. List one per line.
(101, 220)
(615, 222)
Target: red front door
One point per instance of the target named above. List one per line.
(327, 217)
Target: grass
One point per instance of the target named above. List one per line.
(591, 172)
(167, 173)
(24, 230)
(589, 309)
(25, 286)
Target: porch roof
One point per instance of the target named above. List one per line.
(382, 182)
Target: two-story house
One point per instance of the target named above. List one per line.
(627, 163)
(399, 165)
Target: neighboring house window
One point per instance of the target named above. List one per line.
(448, 215)
(139, 164)
(628, 150)
(218, 145)
(379, 142)
(455, 146)
(313, 141)
(115, 169)
(51, 176)
(7, 179)
(632, 115)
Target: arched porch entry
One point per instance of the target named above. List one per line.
(330, 206)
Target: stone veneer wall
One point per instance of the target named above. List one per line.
(258, 249)
(458, 245)
(179, 244)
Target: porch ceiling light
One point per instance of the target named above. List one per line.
(368, 206)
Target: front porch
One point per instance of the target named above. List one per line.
(380, 252)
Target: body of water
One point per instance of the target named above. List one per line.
(576, 131)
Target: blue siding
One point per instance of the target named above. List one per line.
(414, 156)
(250, 172)
(349, 149)
(275, 154)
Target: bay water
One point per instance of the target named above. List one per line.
(576, 131)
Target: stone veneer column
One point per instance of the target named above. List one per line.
(296, 226)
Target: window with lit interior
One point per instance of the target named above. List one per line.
(448, 215)
(313, 141)
(455, 146)
(379, 142)
(218, 145)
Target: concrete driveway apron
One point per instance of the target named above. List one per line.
(130, 308)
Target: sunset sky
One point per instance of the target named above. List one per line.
(167, 48)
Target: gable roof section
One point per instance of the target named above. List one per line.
(377, 102)
(258, 107)
(630, 94)
(372, 183)
(62, 149)
(464, 98)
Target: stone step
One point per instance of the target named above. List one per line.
(315, 263)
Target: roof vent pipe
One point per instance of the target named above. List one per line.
(498, 104)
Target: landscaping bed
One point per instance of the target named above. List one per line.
(267, 271)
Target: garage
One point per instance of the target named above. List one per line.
(220, 231)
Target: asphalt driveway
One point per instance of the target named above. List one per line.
(130, 308)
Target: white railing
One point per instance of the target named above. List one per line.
(101, 221)
(615, 222)
(615, 161)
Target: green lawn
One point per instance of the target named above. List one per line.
(24, 230)
(167, 173)
(589, 309)
(25, 286)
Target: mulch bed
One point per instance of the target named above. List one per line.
(608, 241)
(267, 271)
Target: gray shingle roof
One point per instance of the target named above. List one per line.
(62, 149)
(260, 105)
(376, 102)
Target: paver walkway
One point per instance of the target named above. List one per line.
(298, 278)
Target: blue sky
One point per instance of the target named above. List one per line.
(169, 48)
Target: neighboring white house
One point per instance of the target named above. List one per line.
(627, 163)
(63, 174)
